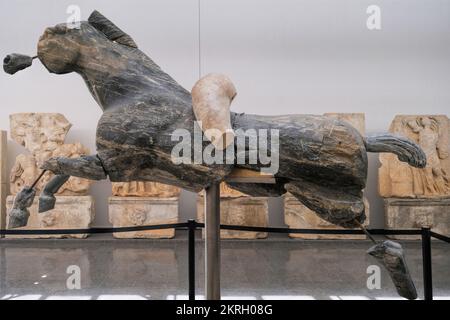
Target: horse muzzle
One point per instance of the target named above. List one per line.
(15, 62)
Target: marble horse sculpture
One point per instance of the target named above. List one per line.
(322, 161)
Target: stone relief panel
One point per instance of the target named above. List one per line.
(43, 135)
(144, 189)
(138, 211)
(244, 211)
(138, 203)
(70, 212)
(298, 216)
(237, 208)
(397, 179)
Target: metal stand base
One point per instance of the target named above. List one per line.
(212, 242)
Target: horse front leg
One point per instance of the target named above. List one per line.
(47, 198)
(19, 214)
(88, 167)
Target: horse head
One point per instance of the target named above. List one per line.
(60, 48)
(109, 61)
(65, 48)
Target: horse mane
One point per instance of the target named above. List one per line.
(110, 30)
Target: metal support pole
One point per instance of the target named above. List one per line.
(212, 242)
(191, 252)
(426, 259)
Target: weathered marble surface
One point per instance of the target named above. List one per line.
(297, 216)
(3, 177)
(71, 212)
(248, 211)
(401, 213)
(138, 211)
(431, 133)
(144, 189)
(43, 135)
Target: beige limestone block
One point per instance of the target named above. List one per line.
(401, 213)
(240, 175)
(357, 120)
(3, 156)
(298, 216)
(3, 182)
(70, 212)
(138, 211)
(3, 212)
(43, 134)
(399, 180)
(244, 211)
(144, 189)
(227, 192)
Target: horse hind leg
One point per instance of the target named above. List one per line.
(346, 209)
(339, 207)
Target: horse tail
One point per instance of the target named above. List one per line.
(406, 150)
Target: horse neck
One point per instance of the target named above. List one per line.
(141, 81)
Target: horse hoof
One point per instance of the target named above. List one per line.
(18, 218)
(46, 202)
(390, 255)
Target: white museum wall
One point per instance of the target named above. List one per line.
(284, 56)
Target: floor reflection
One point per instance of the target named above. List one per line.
(157, 269)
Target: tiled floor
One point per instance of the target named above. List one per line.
(157, 269)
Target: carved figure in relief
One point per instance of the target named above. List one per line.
(433, 179)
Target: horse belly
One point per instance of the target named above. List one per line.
(316, 148)
(132, 147)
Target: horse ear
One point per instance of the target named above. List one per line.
(111, 31)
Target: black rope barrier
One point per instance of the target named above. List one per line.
(192, 223)
(320, 231)
(183, 225)
(192, 226)
(440, 237)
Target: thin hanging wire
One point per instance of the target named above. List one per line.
(199, 42)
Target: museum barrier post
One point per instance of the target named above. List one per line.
(427, 269)
(192, 225)
(212, 242)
